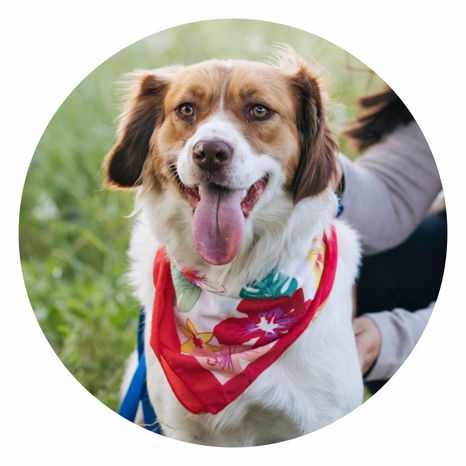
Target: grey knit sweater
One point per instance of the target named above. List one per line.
(388, 191)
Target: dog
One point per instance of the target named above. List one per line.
(234, 164)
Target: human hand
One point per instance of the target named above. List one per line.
(368, 341)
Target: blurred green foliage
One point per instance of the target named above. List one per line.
(74, 234)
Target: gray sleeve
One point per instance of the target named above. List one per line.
(400, 330)
(389, 190)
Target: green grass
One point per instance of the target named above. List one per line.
(74, 234)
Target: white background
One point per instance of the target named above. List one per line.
(48, 47)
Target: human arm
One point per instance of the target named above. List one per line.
(389, 190)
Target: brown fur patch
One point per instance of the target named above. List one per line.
(142, 113)
(199, 85)
(317, 164)
(256, 83)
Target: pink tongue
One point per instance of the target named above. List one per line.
(218, 224)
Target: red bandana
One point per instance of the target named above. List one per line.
(212, 347)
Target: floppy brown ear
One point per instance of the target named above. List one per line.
(317, 162)
(142, 113)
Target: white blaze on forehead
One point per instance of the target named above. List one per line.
(227, 64)
(217, 127)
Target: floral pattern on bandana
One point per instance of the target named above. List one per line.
(275, 285)
(186, 293)
(265, 322)
(212, 346)
(316, 260)
(196, 340)
(195, 277)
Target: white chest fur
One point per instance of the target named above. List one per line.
(314, 383)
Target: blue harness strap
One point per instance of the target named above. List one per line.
(137, 391)
(341, 208)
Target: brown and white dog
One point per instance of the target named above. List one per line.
(234, 163)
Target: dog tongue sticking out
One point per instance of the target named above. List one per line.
(218, 224)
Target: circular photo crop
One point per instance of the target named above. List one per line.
(233, 233)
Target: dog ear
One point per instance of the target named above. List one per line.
(317, 165)
(142, 114)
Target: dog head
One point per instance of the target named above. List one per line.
(227, 138)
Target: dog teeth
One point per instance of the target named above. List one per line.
(243, 194)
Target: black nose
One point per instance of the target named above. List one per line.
(212, 155)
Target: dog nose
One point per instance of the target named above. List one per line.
(211, 155)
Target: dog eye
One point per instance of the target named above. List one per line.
(187, 110)
(259, 111)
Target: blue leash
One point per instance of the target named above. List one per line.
(137, 391)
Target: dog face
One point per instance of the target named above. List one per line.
(226, 138)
